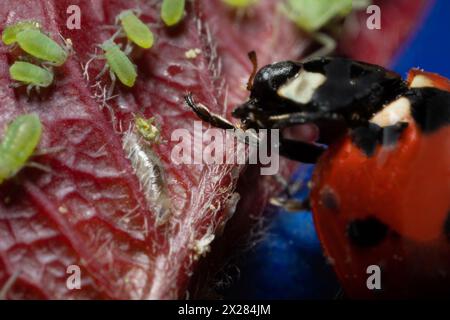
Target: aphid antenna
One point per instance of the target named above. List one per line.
(108, 27)
(116, 35)
(254, 60)
(67, 44)
(39, 166)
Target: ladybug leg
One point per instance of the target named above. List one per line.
(292, 119)
(300, 151)
(206, 115)
(291, 205)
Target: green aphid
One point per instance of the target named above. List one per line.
(19, 142)
(31, 75)
(172, 11)
(313, 15)
(40, 46)
(147, 129)
(9, 35)
(240, 4)
(119, 64)
(136, 31)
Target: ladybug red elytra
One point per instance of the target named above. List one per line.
(381, 190)
(391, 208)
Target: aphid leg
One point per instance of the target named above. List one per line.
(206, 115)
(328, 45)
(113, 83)
(128, 49)
(29, 88)
(13, 47)
(15, 85)
(300, 151)
(101, 73)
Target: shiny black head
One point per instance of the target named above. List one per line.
(288, 93)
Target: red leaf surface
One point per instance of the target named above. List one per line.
(90, 209)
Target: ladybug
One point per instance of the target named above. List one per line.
(383, 199)
(380, 192)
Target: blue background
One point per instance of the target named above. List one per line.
(288, 263)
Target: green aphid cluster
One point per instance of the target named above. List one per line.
(117, 60)
(40, 48)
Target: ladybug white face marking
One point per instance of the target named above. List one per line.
(301, 88)
(395, 112)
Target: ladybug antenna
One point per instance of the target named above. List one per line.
(254, 60)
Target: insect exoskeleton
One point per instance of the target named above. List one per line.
(31, 75)
(9, 35)
(20, 141)
(135, 30)
(172, 11)
(40, 46)
(119, 63)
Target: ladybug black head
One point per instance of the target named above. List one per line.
(288, 93)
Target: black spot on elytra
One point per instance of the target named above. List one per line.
(447, 226)
(366, 232)
(430, 108)
(367, 138)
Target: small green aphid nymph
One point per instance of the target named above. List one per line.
(40, 46)
(119, 64)
(172, 11)
(135, 30)
(31, 75)
(148, 130)
(20, 140)
(9, 35)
